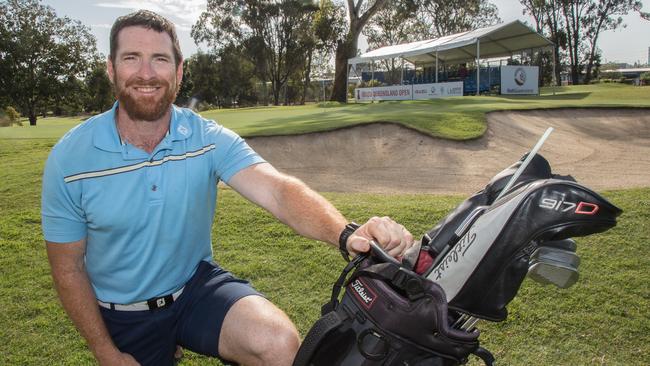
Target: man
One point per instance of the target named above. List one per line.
(128, 203)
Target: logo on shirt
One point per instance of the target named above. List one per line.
(182, 130)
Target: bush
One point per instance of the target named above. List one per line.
(9, 116)
(370, 83)
(645, 78)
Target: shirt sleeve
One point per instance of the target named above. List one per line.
(62, 217)
(232, 154)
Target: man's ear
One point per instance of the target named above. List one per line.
(179, 73)
(109, 69)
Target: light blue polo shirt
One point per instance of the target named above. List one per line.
(147, 217)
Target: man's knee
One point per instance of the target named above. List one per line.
(256, 332)
(279, 346)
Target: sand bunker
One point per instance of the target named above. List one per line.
(601, 148)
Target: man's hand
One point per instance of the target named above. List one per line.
(390, 235)
(119, 359)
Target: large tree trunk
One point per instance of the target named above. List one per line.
(347, 48)
(558, 65)
(344, 50)
(32, 116)
(592, 52)
(275, 89)
(305, 85)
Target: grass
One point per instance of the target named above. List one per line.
(603, 320)
(457, 118)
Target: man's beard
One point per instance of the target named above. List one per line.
(145, 108)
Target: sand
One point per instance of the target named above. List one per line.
(601, 148)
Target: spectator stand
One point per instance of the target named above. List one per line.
(443, 59)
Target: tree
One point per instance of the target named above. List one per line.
(319, 39)
(549, 21)
(347, 47)
(329, 23)
(267, 29)
(391, 25)
(444, 17)
(579, 26)
(203, 74)
(218, 79)
(184, 96)
(39, 54)
(99, 89)
(236, 76)
(605, 15)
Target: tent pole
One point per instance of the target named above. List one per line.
(347, 82)
(478, 66)
(415, 73)
(436, 66)
(489, 77)
(401, 82)
(372, 77)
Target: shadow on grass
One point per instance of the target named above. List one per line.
(565, 96)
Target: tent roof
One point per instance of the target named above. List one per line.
(496, 41)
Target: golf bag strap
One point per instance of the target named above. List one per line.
(400, 277)
(338, 285)
(314, 338)
(484, 355)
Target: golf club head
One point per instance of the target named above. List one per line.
(555, 263)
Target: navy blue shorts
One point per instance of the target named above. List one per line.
(193, 321)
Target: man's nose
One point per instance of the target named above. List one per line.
(146, 70)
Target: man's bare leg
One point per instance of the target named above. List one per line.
(255, 332)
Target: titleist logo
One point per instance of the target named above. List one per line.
(456, 253)
(365, 295)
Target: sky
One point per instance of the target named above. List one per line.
(628, 44)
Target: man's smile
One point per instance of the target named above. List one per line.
(146, 89)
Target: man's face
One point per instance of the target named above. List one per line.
(145, 78)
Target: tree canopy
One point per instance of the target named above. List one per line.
(42, 56)
(575, 27)
(270, 31)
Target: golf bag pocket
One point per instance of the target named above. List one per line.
(388, 315)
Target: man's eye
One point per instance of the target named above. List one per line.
(162, 59)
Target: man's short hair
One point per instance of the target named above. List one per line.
(150, 20)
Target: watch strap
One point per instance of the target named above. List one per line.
(343, 239)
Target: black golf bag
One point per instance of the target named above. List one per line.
(423, 311)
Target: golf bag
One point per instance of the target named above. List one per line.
(422, 311)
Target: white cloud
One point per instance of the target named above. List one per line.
(101, 26)
(188, 11)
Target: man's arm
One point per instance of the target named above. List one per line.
(310, 214)
(78, 299)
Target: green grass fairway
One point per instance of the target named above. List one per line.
(457, 118)
(603, 320)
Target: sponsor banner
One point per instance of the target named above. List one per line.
(438, 90)
(395, 92)
(409, 92)
(519, 79)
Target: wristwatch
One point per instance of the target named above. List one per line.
(343, 239)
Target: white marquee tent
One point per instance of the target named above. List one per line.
(501, 40)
